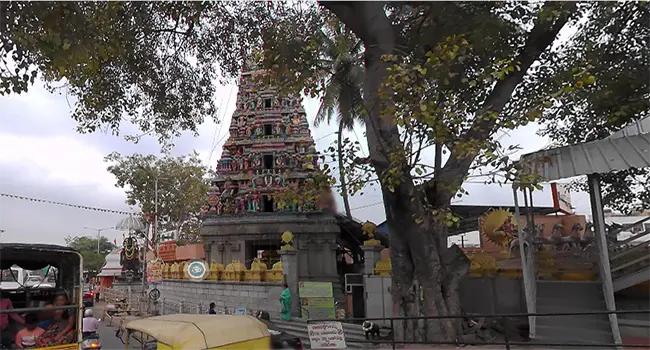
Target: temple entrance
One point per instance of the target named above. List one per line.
(267, 204)
(266, 251)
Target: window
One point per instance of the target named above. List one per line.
(268, 161)
(267, 103)
(7, 275)
(268, 129)
(267, 204)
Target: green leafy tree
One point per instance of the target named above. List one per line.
(87, 246)
(620, 57)
(451, 74)
(181, 189)
(341, 98)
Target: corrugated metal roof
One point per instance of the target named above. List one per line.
(595, 157)
(639, 127)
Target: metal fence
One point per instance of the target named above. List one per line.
(503, 320)
(167, 307)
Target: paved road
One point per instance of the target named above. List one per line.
(107, 333)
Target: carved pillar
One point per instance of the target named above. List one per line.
(371, 255)
(290, 272)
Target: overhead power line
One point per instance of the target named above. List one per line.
(85, 207)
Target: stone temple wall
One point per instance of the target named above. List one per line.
(195, 296)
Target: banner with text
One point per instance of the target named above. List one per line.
(328, 335)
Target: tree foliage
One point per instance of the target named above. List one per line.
(93, 261)
(149, 63)
(181, 189)
(615, 41)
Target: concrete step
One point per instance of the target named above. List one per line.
(574, 305)
(600, 323)
(564, 296)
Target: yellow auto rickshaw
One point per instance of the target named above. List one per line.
(41, 286)
(195, 332)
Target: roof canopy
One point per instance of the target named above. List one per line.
(625, 149)
(200, 331)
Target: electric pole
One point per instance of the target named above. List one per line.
(99, 231)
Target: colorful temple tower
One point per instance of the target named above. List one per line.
(270, 150)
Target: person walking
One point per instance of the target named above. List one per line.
(285, 301)
(98, 289)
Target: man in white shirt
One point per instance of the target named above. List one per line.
(90, 324)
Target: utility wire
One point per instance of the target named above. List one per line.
(85, 207)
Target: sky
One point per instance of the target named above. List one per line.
(43, 157)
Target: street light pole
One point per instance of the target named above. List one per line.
(155, 218)
(99, 231)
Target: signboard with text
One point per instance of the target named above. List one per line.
(154, 272)
(315, 290)
(318, 308)
(328, 335)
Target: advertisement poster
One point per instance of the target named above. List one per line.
(154, 272)
(318, 308)
(315, 290)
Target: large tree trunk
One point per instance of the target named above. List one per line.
(426, 273)
(344, 187)
(417, 249)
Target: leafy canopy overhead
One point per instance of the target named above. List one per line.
(615, 41)
(181, 189)
(150, 63)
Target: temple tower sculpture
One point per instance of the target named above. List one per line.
(270, 149)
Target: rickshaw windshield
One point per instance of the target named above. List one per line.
(32, 304)
(182, 331)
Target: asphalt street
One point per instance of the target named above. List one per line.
(107, 333)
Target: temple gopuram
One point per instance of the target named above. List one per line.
(254, 237)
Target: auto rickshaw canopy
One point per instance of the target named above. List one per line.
(182, 331)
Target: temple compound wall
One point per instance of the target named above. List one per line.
(227, 295)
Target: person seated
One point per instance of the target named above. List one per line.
(26, 337)
(62, 322)
(6, 336)
(90, 324)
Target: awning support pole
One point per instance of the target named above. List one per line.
(527, 265)
(598, 218)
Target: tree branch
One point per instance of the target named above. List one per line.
(540, 39)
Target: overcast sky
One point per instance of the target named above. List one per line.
(42, 156)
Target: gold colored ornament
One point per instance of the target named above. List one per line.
(498, 227)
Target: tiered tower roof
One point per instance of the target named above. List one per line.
(270, 149)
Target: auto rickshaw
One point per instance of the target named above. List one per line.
(198, 332)
(61, 269)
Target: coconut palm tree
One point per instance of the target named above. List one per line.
(342, 98)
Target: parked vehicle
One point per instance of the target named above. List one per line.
(197, 332)
(35, 281)
(89, 296)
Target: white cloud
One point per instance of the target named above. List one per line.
(57, 159)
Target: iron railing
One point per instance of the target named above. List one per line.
(504, 320)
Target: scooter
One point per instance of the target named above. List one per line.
(91, 342)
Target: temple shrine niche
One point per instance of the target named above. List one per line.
(270, 150)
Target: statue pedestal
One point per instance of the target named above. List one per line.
(290, 272)
(371, 255)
